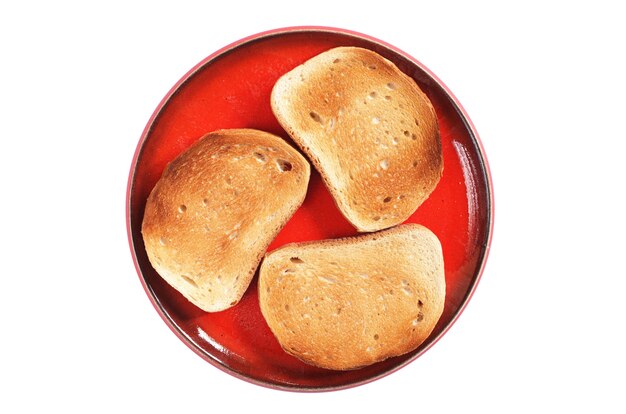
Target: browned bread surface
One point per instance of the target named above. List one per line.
(346, 303)
(216, 208)
(369, 130)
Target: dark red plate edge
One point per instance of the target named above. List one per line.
(483, 162)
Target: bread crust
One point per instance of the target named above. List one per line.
(347, 303)
(368, 129)
(215, 210)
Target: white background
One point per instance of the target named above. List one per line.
(544, 85)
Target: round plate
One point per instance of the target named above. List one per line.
(231, 89)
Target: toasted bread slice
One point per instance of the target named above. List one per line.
(369, 130)
(216, 208)
(343, 304)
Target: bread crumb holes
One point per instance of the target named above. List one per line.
(259, 157)
(315, 116)
(189, 280)
(283, 165)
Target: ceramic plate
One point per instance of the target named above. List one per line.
(231, 89)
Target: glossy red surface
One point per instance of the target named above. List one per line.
(231, 89)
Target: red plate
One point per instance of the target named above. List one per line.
(231, 89)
